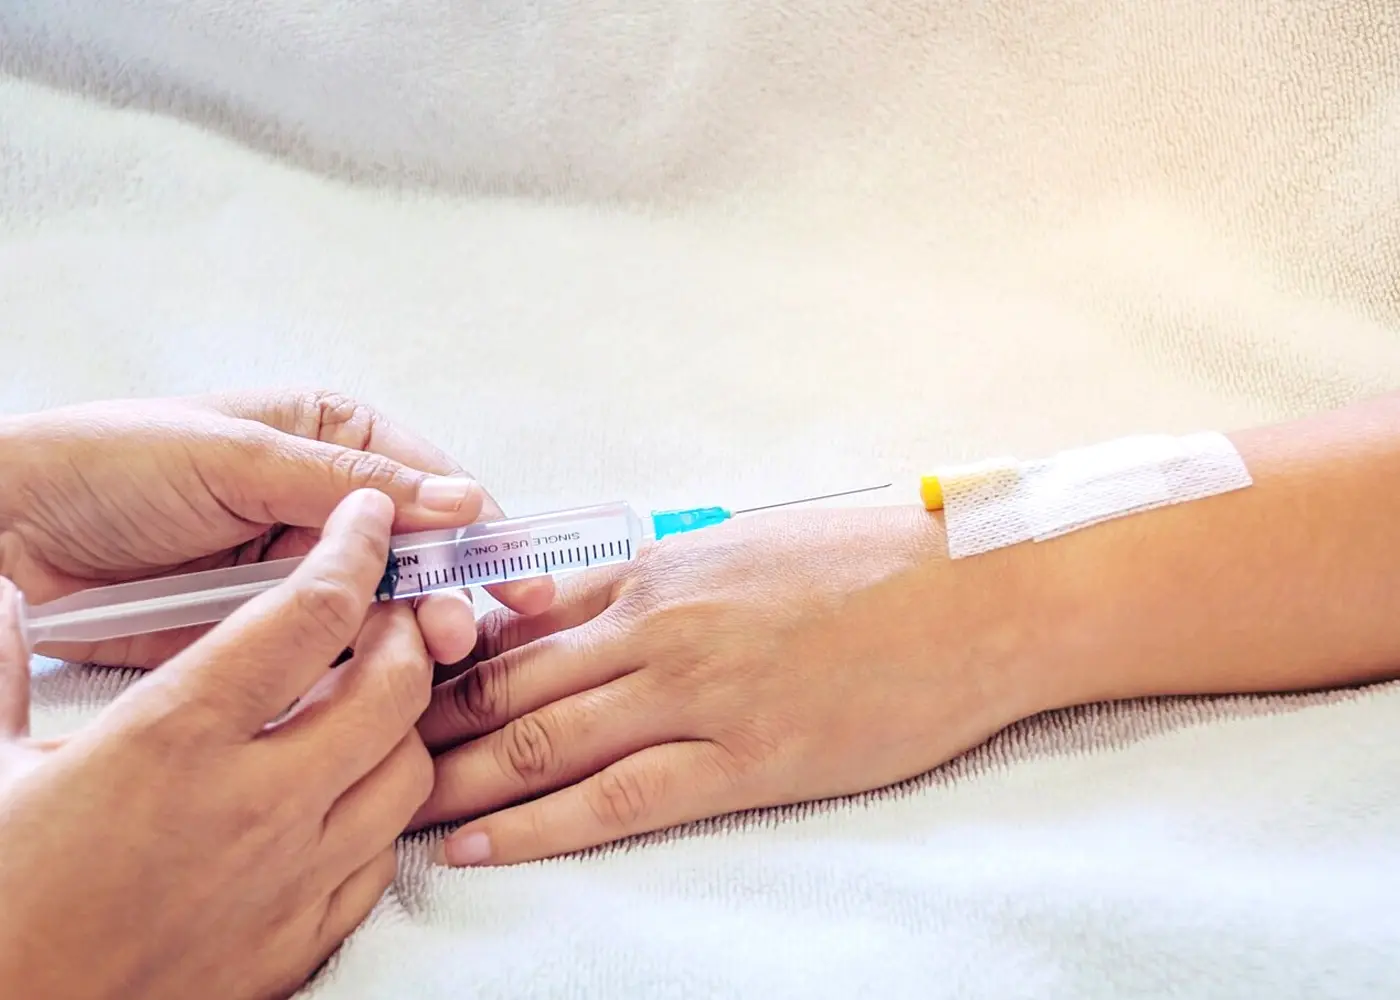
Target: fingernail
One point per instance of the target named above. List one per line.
(468, 849)
(446, 495)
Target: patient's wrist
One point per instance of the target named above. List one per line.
(999, 616)
(1288, 584)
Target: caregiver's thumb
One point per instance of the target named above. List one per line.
(14, 663)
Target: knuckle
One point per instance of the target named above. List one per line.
(364, 469)
(335, 417)
(495, 633)
(328, 608)
(624, 797)
(479, 695)
(307, 410)
(527, 751)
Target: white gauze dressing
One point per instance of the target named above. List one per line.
(1004, 501)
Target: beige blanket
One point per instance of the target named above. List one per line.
(690, 251)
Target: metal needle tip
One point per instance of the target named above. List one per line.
(824, 496)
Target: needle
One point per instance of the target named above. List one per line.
(824, 496)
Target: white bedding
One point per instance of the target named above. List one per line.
(678, 252)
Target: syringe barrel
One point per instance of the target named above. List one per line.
(155, 605)
(481, 554)
(515, 549)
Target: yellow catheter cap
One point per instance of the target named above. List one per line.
(931, 492)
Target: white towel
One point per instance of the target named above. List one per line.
(725, 252)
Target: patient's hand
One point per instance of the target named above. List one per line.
(771, 660)
(805, 655)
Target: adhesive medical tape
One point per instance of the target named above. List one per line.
(999, 502)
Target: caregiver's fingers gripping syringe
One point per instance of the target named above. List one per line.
(479, 555)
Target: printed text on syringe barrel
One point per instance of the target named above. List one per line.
(480, 562)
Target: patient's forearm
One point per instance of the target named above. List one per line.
(1292, 583)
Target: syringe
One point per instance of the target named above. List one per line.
(481, 554)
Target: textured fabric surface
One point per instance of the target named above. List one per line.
(728, 252)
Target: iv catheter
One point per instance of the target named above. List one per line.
(421, 563)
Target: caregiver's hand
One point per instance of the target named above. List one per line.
(188, 842)
(113, 491)
(771, 660)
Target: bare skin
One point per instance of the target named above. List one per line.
(113, 491)
(802, 655)
(178, 829)
(191, 821)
